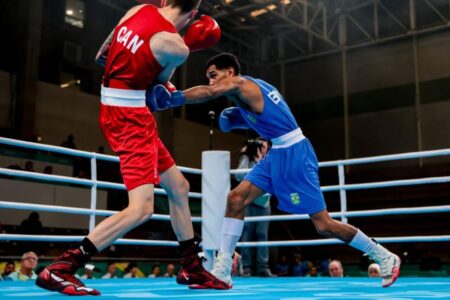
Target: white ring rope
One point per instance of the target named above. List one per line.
(78, 153)
(400, 239)
(357, 213)
(76, 210)
(372, 159)
(386, 184)
(79, 181)
(78, 238)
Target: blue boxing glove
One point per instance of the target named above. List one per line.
(231, 118)
(161, 97)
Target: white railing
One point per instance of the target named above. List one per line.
(93, 182)
(342, 187)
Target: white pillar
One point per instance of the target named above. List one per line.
(215, 188)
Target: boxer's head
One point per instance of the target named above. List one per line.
(188, 8)
(222, 66)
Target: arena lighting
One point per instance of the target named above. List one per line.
(69, 12)
(262, 11)
(229, 1)
(69, 83)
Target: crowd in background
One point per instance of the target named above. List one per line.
(27, 270)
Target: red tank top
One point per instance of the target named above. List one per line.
(131, 64)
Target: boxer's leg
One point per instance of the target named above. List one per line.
(139, 210)
(388, 261)
(177, 188)
(192, 271)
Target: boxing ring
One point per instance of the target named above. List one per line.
(215, 184)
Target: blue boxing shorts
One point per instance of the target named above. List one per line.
(291, 174)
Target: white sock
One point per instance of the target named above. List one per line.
(362, 242)
(231, 232)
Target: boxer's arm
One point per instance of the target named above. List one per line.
(170, 52)
(102, 53)
(204, 93)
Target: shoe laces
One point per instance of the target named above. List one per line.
(382, 258)
(201, 257)
(220, 265)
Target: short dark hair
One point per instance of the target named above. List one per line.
(10, 262)
(184, 5)
(225, 61)
(130, 266)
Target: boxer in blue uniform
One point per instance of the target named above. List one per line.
(289, 171)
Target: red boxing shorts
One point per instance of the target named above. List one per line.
(132, 133)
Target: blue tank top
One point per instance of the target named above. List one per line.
(276, 118)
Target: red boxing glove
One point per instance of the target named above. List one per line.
(170, 87)
(202, 34)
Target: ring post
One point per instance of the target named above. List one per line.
(215, 188)
(93, 193)
(342, 193)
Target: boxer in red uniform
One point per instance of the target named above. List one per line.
(144, 49)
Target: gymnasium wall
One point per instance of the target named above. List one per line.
(381, 98)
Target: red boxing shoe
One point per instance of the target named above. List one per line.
(59, 276)
(193, 274)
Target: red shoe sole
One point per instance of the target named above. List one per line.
(395, 274)
(209, 285)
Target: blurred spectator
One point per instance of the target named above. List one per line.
(251, 154)
(324, 266)
(131, 271)
(335, 269)
(313, 272)
(27, 265)
(29, 166)
(374, 270)
(70, 142)
(9, 268)
(156, 271)
(236, 268)
(32, 225)
(430, 262)
(110, 271)
(89, 271)
(297, 268)
(170, 272)
(282, 267)
(48, 170)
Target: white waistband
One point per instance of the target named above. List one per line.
(288, 139)
(121, 97)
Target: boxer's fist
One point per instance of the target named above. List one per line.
(159, 98)
(202, 34)
(231, 118)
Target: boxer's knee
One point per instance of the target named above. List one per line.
(181, 190)
(326, 228)
(140, 210)
(235, 202)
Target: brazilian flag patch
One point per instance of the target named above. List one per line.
(295, 198)
(251, 119)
